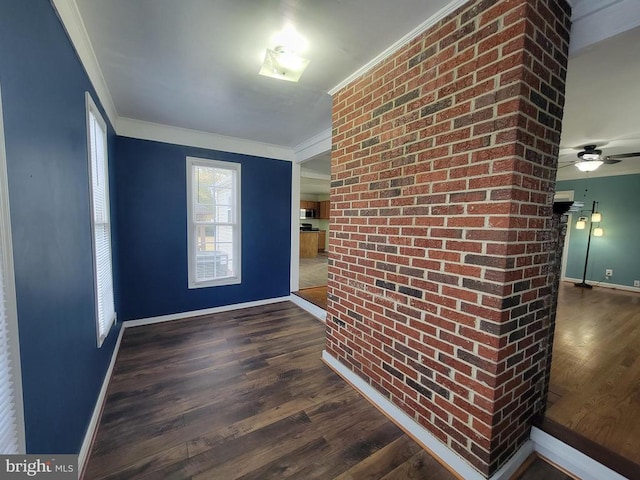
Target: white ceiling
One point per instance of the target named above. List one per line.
(193, 64)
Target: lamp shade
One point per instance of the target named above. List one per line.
(581, 223)
(598, 232)
(588, 165)
(596, 217)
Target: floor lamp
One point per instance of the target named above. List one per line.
(596, 217)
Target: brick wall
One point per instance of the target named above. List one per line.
(441, 238)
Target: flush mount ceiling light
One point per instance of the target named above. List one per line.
(283, 64)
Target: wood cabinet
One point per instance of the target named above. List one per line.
(322, 240)
(324, 210)
(309, 205)
(308, 244)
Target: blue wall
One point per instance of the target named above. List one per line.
(43, 90)
(152, 205)
(619, 248)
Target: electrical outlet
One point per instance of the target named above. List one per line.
(636, 283)
(608, 272)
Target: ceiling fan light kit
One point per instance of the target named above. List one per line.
(588, 165)
(591, 158)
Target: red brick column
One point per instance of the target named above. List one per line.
(443, 169)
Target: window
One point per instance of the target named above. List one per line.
(100, 220)
(213, 234)
(11, 414)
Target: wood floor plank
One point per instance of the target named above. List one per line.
(152, 465)
(287, 466)
(419, 466)
(348, 449)
(383, 461)
(230, 457)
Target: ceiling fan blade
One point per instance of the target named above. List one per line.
(624, 155)
(610, 160)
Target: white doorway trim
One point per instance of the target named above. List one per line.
(313, 147)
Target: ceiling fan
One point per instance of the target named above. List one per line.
(591, 158)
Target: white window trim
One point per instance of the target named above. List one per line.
(6, 257)
(93, 109)
(237, 241)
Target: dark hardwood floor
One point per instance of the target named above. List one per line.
(244, 395)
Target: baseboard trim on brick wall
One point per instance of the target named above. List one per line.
(611, 286)
(92, 429)
(314, 310)
(443, 454)
(570, 459)
(206, 311)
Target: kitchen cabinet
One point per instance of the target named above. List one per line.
(309, 205)
(322, 240)
(324, 210)
(308, 244)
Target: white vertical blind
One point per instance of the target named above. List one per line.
(11, 415)
(101, 223)
(8, 423)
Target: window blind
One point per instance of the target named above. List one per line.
(105, 307)
(8, 423)
(11, 419)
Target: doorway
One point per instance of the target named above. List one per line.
(315, 181)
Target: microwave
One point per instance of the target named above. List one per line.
(307, 213)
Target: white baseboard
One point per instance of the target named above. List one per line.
(612, 286)
(447, 457)
(206, 311)
(507, 471)
(570, 459)
(314, 310)
(83, 456)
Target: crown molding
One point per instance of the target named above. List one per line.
(316, 145)
(424, 26)
(582, 8)
(128, 127)
(71, 20)
(597, 20)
